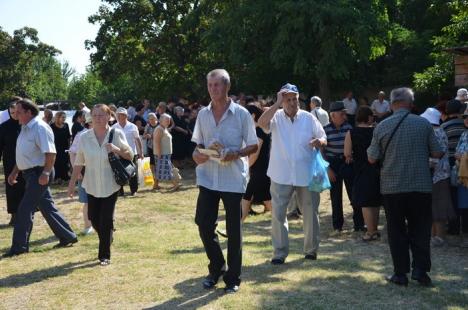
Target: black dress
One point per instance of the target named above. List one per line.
(9, 132)
(179, 139)
(62, 143)
(258, 188)
(76, 128)
(366, 185)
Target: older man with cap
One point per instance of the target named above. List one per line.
(403, 144)
(35, 156)
(454, 127)
(294, 133)
(133, 139)
(318, 112)
(228, 128)
(339, 171)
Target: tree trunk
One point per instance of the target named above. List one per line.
(324, 90)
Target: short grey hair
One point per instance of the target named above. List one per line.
(223, 74)
(402, 94)
(316, 100)
(164, 116)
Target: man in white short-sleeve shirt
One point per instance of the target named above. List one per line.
(380, 107)
(133, 139)
(294, 133)
(35, 157)
(350, 107)
(229, 128)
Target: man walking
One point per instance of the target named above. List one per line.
(227, 127)
(294, 133)
(35, 156)
(403, 144)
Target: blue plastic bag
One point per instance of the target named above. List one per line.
(318, 171)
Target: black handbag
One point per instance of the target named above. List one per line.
(123, 169)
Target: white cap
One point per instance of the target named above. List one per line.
(121, 110)
(432, 115)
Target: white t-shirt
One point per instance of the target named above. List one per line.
(350, 106)
(321, 115)
(380, 107)
(131, 133)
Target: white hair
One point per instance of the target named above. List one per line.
(164, 116)
(223, 74)
(402, 94)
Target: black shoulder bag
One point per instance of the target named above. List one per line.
(390, 139)
(123, 169)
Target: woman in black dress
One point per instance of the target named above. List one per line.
(9, 132)
(180, 136)
(62, 144)
(258, 188)
(78, 123)
(366, 186)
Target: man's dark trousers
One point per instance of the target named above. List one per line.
(207, 219)
(344, 173)
(409, 222)
(37, 196)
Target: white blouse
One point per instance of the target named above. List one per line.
(98, 180)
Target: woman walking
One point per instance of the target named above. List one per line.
(148, 136)
(99, 181)
(366, 185)
(162, 144)
(62, 143)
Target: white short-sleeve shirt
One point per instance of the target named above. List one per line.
(131, 133)
(235, 131)
(380, 107)
(291, 155)
(350, 106)
(98, 180)
(34, 141)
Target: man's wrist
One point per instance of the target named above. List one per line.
(46, 173)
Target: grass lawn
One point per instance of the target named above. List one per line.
(158, 262)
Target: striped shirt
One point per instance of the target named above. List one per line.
(335, 139)
(454, 128)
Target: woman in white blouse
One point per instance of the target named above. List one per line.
(98, 180)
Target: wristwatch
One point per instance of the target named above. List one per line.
(46, 173)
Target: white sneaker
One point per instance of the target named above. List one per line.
(88, 230)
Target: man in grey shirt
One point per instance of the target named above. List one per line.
(229, 128)
(406, 185)
(35, 157)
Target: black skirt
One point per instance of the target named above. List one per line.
(366, 187)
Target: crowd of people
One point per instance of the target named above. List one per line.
(249, 151)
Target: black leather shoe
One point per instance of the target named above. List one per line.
(64, 244)
(312, 256)
(210, 281)
(11, 254)
(398, 280)
(422, 277)
(231, 289)
(277, 261)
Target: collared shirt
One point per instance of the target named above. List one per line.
(405, 167)
(235, 130)
(453, 127)
(98, 180)
(291, 155)
(34, 141)
(131, 133)
(442, 166)
(350, 106)
(335, 139)
(380, 107)
(321, 115)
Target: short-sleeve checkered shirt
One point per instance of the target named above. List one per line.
(405, 167)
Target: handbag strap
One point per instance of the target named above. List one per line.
(393, 133)
(111, 135)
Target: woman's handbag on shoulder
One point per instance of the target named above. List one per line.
(123, 169)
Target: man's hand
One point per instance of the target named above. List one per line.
(199, 158)
(141, 156)
(331, 175)
(43, 179)
(315, 143)
(231, 155)
(12, 178)
(279, 98)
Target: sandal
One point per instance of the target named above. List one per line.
(371, 237)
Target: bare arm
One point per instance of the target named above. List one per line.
(48, 166)
(139, 146)
(74, 177)
(264, 120)
(157, 135)
(348, 148)
(254, 156)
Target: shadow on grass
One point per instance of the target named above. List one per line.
(37, 242)
(25, 279)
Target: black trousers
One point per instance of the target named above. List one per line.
(409, 222)
(14, 193)
(101, 215)
(344, 173)
(207, 220)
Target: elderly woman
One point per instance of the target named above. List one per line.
(180, 135)
(148, 136)
(99, 181)
(366, 191)
(162, 148)
(461, 154)
(62, 143)
(82, 196)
